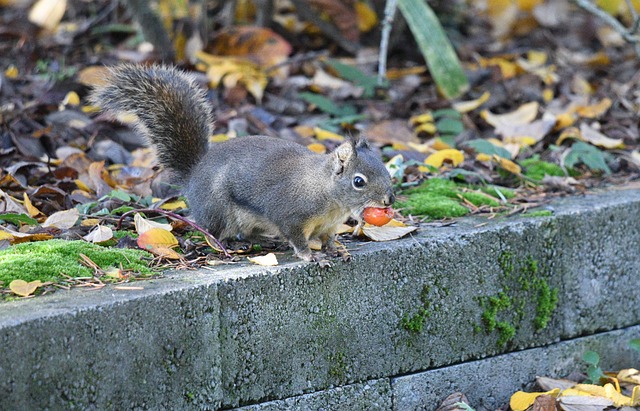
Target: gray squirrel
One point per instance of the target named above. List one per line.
(247, 186)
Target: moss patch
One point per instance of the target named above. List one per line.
(416, 322)
(438, 198)
(525, 290)
(47, 260)
(538, 213)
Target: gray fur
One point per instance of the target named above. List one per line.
(253, 185)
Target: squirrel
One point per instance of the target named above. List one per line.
(247, 186)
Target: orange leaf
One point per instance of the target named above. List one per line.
(159, 242)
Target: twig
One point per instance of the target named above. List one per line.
(629, 34)
(177, 217)
(387, 23)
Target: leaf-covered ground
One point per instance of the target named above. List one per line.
(552, 108)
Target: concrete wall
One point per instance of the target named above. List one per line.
(369, 334)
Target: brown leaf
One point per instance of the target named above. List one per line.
(263, 46)
(342, 15)
(544, 403)
(582, 403)
(451, 402)
(391, 131)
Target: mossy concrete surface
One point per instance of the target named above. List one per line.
(240, 335)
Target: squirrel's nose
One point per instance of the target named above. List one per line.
(389, 199)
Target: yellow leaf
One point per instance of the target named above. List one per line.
(467, 106)
(547, 95)
(47, 14)
(304, 131)
(596, 138)
(483, 157)
(523, 115)
(11, 72)
(507, 164)
(629, 375)
(90, 222)
(594, 110)
(62, 219)
(564, 120)
(521, 400)
(231, 71)
(508, 69)
(218, 138)
(72, 99)
(502, 15)
(439, 145)
(612, 7)
(367, 18)
(159, 242)
(23, 288)
(174, 205)
(317, 148)
(522, 141)
(428, 128)
(31, 209)
(571, 132)
(265, 260)
(322, 135)
(528, 5)
(451, 155)
(421, 118)
(398, 73)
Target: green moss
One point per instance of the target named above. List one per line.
(438, 198)
(432, 206)
(525, 289)
(416, 322)
(546, 304)
(338, 368)
(47, 260)
(495, 191)
(537, 169)
(538, 213)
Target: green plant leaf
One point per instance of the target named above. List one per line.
(18, 218)
(436, 48)
(635, 344)
(589, 155)
(486, 147)
(326, 105)
(449, 126)
(591, 357)
(446, 113)
(356, 76)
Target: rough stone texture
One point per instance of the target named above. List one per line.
(489, 383)
(240, 335)
(112, 350)
(368, 396)
(302, 329)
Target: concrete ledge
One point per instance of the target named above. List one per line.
(242, 335)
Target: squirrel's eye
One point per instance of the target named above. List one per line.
(359, 181)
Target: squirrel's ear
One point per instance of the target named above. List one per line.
(345, 153)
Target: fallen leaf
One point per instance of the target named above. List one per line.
(261, 45)
(158, 241)
(521, 400)
(544, 403)
(143, 225)
(317, 148)
(62, 219)
(390, 231)
(47, 14)
(99, 234)
(467, 106)
(507, 164)
(450, 155)
(596, 138)
(523, 115)
(594, 110)
(23, 288)
(31, 209)
(582, 403)
(233, 71)
(174, 205)
(366, 17)
(322, 134)
(266, 260)
(93, 76)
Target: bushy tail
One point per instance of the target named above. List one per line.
(171, 110)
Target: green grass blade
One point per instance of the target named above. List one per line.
(436, 48)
